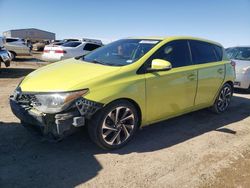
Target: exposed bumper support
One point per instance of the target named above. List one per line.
(59, 124)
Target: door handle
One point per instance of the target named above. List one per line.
(191, 76)
(220, 71)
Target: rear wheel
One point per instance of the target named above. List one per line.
(115, 125)
(223, 99)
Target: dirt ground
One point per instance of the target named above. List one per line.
(199, 149)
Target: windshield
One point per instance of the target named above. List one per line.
(121, 52)
(242, 53)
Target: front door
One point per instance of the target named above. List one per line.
(172, 92)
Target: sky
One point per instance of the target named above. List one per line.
(224, 21)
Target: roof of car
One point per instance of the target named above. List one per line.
(175, 38)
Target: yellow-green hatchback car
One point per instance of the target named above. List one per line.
(124, 85)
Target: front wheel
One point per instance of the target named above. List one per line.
(223, 99)
(114, 125)
(12, 56)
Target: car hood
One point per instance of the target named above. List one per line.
(65, 75)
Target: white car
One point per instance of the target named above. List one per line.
(70, 49)
(241, 57)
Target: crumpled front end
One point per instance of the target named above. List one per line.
(58, 124)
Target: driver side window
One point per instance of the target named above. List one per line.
(176, 52)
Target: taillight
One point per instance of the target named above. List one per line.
(45, 51)
(60, 51)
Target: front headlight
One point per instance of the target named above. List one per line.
(56, 102)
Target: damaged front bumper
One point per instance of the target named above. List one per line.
(58, 125)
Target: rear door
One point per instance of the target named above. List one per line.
(211, 70)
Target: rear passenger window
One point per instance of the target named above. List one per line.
(219, 53)
(90, 47)
(202, 52)
(176, 52)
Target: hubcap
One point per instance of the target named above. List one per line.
(118, 125)
(224, 98)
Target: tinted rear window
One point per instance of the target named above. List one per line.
(71, 44)
(202, 52)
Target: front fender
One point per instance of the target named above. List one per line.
(133, 89)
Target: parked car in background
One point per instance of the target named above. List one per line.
(15, 41)
(241, 56)
(4, 54)
(17, 47)
(70, 49)
(56, 43)
(124, 85)
(70, 40)
(39, 46)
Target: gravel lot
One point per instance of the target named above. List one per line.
(199, 149)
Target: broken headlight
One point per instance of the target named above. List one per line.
(56, 102)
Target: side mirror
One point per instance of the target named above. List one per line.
(159, 65)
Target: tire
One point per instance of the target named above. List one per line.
(12, 56)
(115, 125)
(248, 90)
(223, 99)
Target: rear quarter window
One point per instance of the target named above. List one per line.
(202, 52)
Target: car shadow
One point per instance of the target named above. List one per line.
(26, 160)
(72, 162)
(241, 91)
(177, 130)
(27, 59)
(15, 72)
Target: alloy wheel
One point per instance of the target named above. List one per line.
(224, 98)
(118, 125)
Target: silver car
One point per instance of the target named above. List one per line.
(241, 56)
(4, 54)
(17, 47)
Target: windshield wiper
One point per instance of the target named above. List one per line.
(80, 57)
(98, 62)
